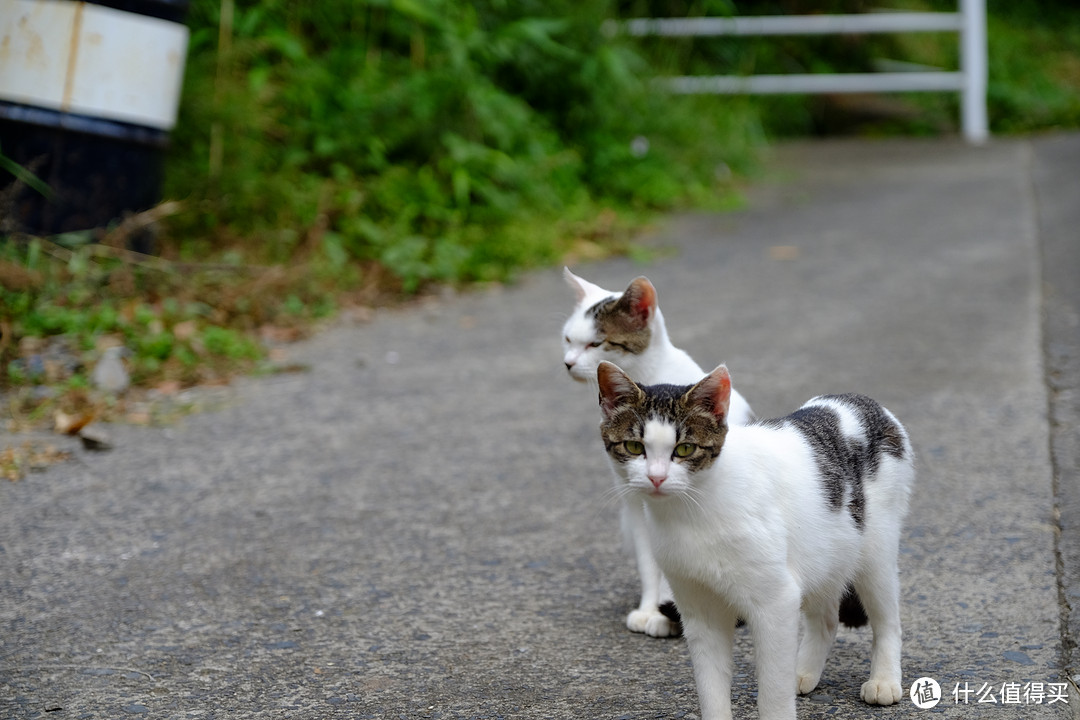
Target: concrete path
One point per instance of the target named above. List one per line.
(421, 526)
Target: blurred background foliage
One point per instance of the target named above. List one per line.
(452, 141)
(440, 139)
(1034, 65)
(346, 152)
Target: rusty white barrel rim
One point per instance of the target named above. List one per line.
(92, 61)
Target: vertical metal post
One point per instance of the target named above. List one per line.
(973, 65)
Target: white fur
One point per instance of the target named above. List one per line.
(662, 362)
(753, 537)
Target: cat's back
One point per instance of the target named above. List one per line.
(834, 423)
(849, 446)
(864, 422)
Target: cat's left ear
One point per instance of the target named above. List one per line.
(713, 392)
(580, 286)
(640, 300)
(616, 387)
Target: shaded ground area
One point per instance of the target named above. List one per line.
(421, 525)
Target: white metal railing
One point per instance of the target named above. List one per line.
(970, 81)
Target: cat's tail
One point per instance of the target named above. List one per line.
(671, 612)
(852, 612)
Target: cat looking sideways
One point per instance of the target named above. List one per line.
(628, 329)
(771, 522)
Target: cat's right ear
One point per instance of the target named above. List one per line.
(639, 299)
(616, 387)
(713, 392)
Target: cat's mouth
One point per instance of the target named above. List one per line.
(578, 376)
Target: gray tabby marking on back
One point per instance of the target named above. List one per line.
(839, 462)
(616, 327)
(882, 432)
(842, 461)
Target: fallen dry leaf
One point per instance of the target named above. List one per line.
(169, 387)
(71, 424)
(784, 252)
(139, 417)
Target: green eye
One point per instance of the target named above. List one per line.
(634, 447)
(685, 449)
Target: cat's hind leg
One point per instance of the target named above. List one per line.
(647, 618)
(878, 588)
(820, 615)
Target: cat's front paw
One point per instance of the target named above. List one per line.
(808, 682)
(651, 622)
(881, 692)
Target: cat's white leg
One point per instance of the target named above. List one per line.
(709, 627)
(647, 618)
(774, 626)
(879, 591)
(820, 620)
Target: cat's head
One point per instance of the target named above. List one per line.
(659, 436)
(606, 325)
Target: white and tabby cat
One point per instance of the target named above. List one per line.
(628, 328)
(767, 522)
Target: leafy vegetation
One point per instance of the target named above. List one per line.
(1034, 73)
(1034, 65)
(183, 325)
(349, 151)
(436, 139)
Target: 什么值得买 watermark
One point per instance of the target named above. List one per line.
(926, 693)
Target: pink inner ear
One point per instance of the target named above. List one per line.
(614, 386)
(644, 298)
(715, 391)
(722, 392)
(722, 395)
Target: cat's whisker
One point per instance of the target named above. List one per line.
(692, 496)
(614, 495)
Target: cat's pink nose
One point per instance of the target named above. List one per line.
(657, 480)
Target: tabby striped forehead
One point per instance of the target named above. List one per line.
(602, 307)
(616, 327)
(668, 405)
